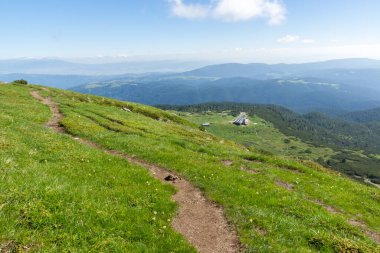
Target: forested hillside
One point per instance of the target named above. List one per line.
(367, 116)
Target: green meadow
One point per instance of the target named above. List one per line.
(260, 134)
(57, 195)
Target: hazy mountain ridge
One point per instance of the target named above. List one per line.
(268, 71)
(48, 66)
(335, 87)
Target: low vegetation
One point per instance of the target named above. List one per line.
(355, 145)
(258, 134)
(21, 82)
(59, 195)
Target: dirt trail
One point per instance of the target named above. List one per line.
(54, 108)
(199, 220)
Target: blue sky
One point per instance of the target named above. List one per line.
(216, 30)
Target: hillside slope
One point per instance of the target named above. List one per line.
(58, 194)
(356, 145)
(367, 116)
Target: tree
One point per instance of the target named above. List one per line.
(21, 81)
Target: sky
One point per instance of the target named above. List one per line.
(270, 31)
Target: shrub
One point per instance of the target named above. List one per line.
(21, 81)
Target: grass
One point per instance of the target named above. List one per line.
(260, 134)
(268, 217)
(265, 137)
(59, 195)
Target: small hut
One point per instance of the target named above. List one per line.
(242, 120)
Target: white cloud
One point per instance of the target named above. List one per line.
(289, 39)
(231, 10)
(189, 11)
(294, 38)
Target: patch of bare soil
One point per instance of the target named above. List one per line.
(13, 247)
(201, 221)
(253, 161)
(330, 209)
(372, 234)
(250, 171)
(227, 162)
(285, 185)
(261, 231)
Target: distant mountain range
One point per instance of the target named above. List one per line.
(334, 87)
(63, 67)
(266, 71)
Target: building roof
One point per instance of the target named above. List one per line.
(241, 120)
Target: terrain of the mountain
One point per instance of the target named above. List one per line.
(367, 116)
(356, 145)
(82, 173)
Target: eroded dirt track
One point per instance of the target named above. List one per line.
(199, 220)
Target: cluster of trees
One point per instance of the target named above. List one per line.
(367, 116)
(21, 81)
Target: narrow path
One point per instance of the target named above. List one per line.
(371, 183)
(199, 220)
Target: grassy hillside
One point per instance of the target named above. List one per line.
(259, 134)
(355, 145)
(60, 195)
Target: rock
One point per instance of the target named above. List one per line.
(171, 178)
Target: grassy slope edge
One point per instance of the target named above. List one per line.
(57, 195)
(277, 205)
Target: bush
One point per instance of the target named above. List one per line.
(21, 81)
(202, 128)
